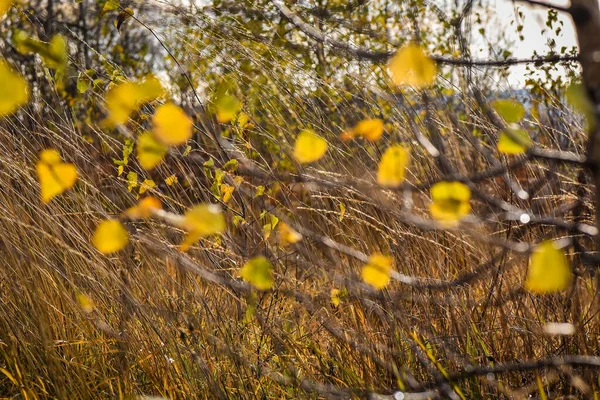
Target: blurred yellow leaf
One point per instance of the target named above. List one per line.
(201, 221)
(54, 175)
(110, 5)
(55, 53)
(511, 110)
(125, 98)
(377, 271)
(392, 167)
(450, 202)
(227, 108)
(410, 66)
(579, 99)
(86, 304)
(287, 234)
(172, 126)
(4, 6)
(515, 141)
(147, 185)
(309, 147)
(144, 209)
(371, 129)
(258, 272)
(14, 90)
(149, 151)
(110, 236)
(549, 270)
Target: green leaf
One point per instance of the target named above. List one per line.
(259, 273)
(511, 110)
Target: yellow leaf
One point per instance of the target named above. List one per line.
(149, 151)
(110, 236)
(132, 181)
(371, 129)
(4, 6)
(549, 270)
(226, 192)
(54, 175)
(342, 207)
(58, 53)
(287, 234)
(227, 108)
(172, 126)
(334, 294)
(450, 202)
(309, 147)
(144, 209)
(201, 221)
(86, 304)
(258, 272)
(515, 141)
(55, 54)
(14, 91)
(110, 5)
(410, 66)
(125, 98)
(147, 185)
(377, 271)
(171, 180)
(392, 167)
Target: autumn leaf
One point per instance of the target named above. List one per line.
(146, 185)
(125, 98)
(309, 147)
(391, 170)
(201, 221)
(144, 209)
(14, 90)
(172, 126)
(110, 236)
(227, 108)
(226, 192)
(258, 272)
(450, 202)
(109, 5)
(86, 304)
(549, 270)
(55, 54)
(579, 99)
(511, 110)
(54, 175)
(377, 271)
(514, 141)
(370, 129)
(149, 151)
(410, 66)
(5, 6)
(171, 180)
(287, 234)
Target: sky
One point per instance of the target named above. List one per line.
(534, 18)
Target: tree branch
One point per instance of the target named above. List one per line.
(381, 56)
